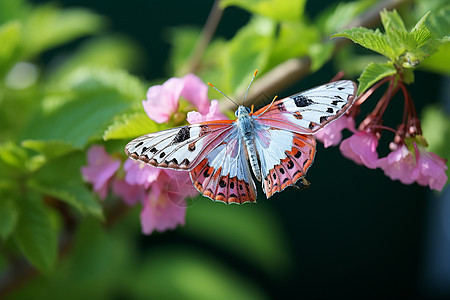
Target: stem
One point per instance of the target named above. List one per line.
(205, 38)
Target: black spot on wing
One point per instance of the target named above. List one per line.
(329, 110)
(182, 135)
(302, 101)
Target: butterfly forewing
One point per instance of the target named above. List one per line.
(181, 147)
(309, 111)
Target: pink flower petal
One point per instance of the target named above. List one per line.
(159, 213)
(399, 165)
(162, 100)
(137, 173)
(331, 135)
(196, 92)
(430, 169)
(100, 169)
(130, 194)
(213, 114)
(361, 147)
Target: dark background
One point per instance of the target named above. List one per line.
(354, 232)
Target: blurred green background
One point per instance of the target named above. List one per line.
(353, 234)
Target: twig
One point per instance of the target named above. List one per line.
(205, 38)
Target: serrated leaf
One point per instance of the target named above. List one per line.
(129, 126)
(34, 234)
(279, 10)
(370, 39)
(420, 31)
(61, 178)
(8, 214)
(373, 73)
(48, 26)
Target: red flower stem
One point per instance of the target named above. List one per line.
(370, 91)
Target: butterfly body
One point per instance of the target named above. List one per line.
(277, 143)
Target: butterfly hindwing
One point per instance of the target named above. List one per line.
(285, 157)
(179, 148)
(224, 175)
(309, 111)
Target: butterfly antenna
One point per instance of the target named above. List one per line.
(246, 92)
(269, 105)
(211, 85)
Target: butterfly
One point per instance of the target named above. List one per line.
(276, 142)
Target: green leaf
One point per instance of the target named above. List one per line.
(61, 178)
(370, 39)
(9, 39)
(248, 50)
(34, 234)
(95, 98)
(420, 31)
(279, 10)
(227, 227)
(320, 53)
(8, 214)
(13, 156)
(49, 149)
(13, 10)
(183, 270)
(114, 52)
(48, 26)
(129, 126)
(436, 129)
(286, 43)
(439, 61)
(374, 73)
(183, 40)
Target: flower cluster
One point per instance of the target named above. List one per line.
(161, 192)
(409, 161)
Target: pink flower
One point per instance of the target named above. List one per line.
(331, 135)
(162, 100)
(430, 168)
(130, 194)
(100, 169)
(137, 173)
(399, 165)
(213, 114)
(361, 147)
(164, 207)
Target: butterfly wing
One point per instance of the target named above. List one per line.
(224, 175)
(284, 131)
(180, 148)
(285, 157)
(309, 111)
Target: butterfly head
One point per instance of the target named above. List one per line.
(242, 110)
